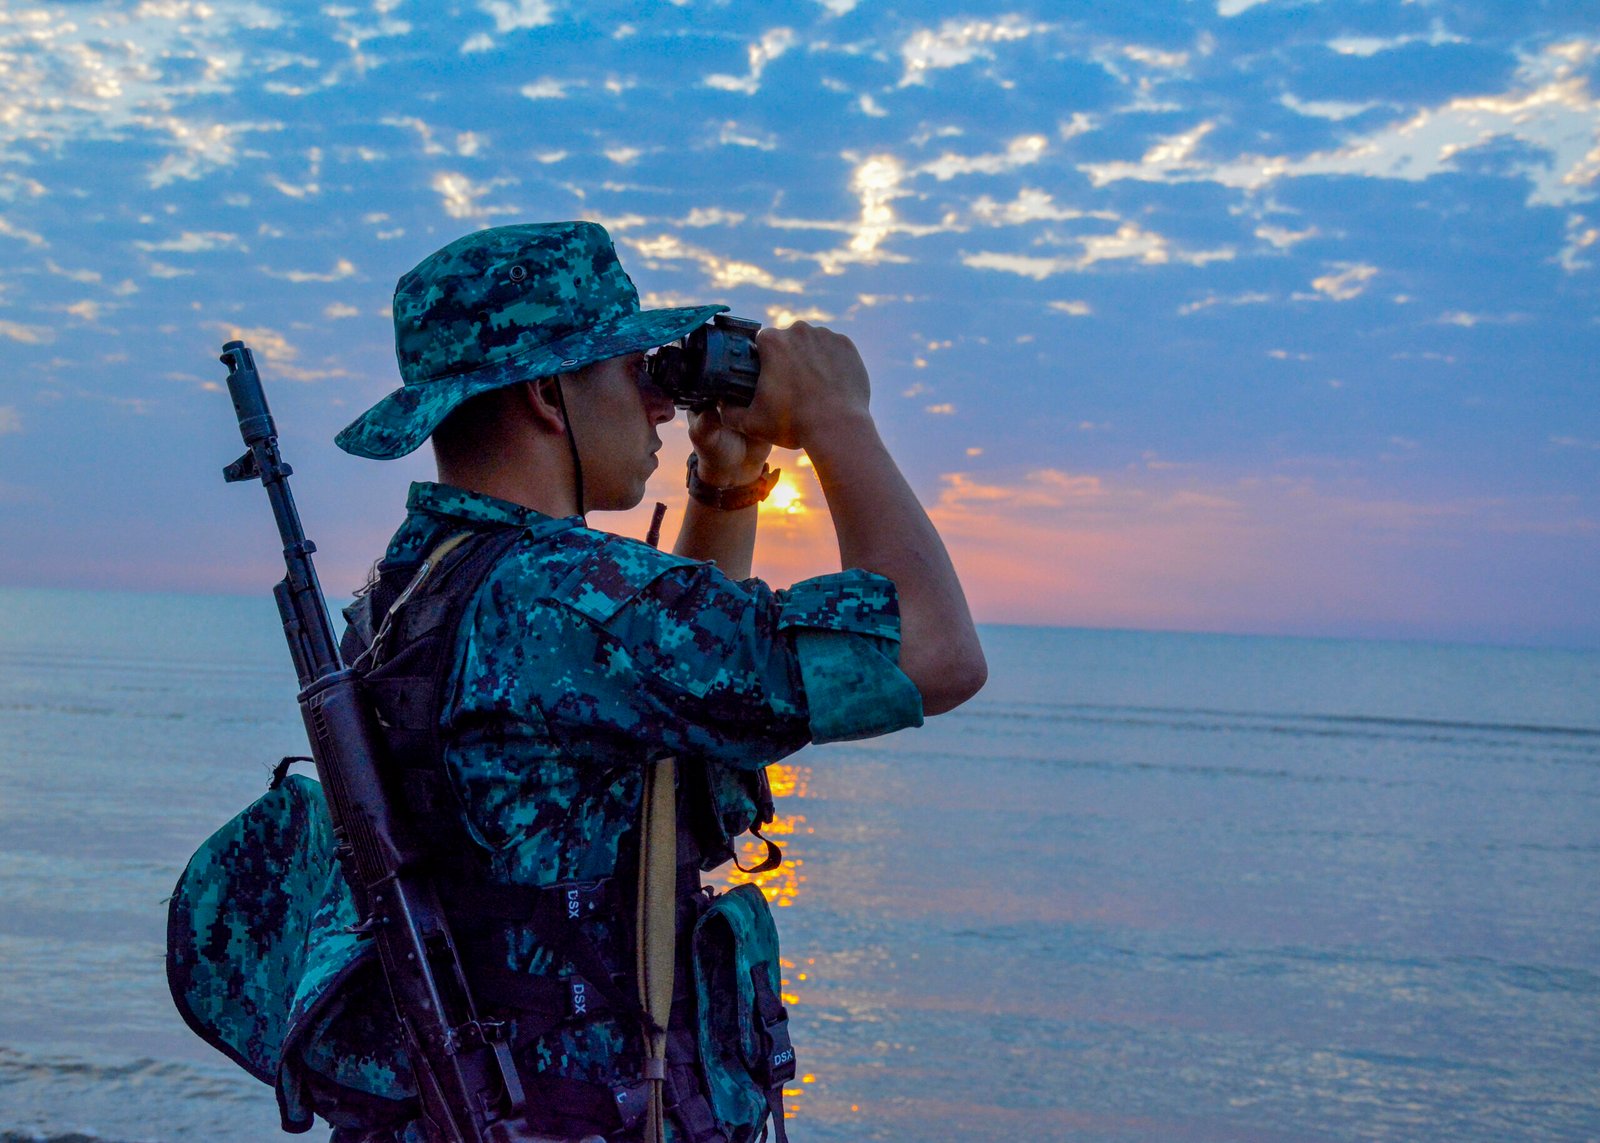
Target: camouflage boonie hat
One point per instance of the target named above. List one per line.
(501, 306)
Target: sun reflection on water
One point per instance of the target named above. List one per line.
(781, 886)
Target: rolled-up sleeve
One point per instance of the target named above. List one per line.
(688, 659)
(845, 629)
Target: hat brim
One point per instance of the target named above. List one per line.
(399, 423)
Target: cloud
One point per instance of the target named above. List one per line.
(10, 420)
(1348, 283)
(1030, 205)
(1250, 298)
(1550, 109)
(769, 47)
(1130, 242)
(1230, 8)
(276, 352)
(516, 15)
(199, 148)
(1284, 238)
(1467, 320)
(712, 216)
(724, 273)
(12, 230)
(958, 42)
(1325, 108)
(27, 334)
(1070, 308)
(86, 277)
(342, 269)
(1020, 152)
(194, 242)
(1373, 45)
(111, 72)
(340, 310)
(783, 316)
(1582, 235)
(460, 195)
(547, 88)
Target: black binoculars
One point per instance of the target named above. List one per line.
(716, 364)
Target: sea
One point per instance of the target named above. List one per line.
(1144, 888)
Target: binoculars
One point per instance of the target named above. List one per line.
(716, 364)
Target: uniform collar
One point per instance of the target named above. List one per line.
(432, 508)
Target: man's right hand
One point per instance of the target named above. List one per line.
(813, 383)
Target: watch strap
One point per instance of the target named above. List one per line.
(735, 497)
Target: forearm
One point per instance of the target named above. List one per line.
(726, 538)
(881, 527)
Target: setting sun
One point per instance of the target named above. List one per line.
(785, 498)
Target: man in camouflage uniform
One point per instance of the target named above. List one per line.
(586, 658)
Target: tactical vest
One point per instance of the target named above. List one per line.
(728, 1050)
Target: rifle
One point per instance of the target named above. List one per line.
(466, 1081)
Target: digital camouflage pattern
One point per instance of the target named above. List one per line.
(258, 945)
(504, 305)
(583, 657)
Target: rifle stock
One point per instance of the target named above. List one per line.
(466, 1081)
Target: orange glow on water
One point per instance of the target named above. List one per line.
(780, 886)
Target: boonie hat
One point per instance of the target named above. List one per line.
(501, 306)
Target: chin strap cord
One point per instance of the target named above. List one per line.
(572, 443)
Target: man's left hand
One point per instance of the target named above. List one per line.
(727, 457)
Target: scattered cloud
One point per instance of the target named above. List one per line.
(1030, 205)
(461, 197)
(712, 216)
(342, 269)
(340, 310)
(27, 334)
(724, 273)
(958, 42)
(12, 230)
(1582, 235)
(1130, 242)
(547, 88)
(1550, 109)
(783, 317)
(1467, 320)
(10, 420)
(1373, 45)
(194, 242)
(1284, 238)
(1020, 152)
(86, 277)
(1347, 283)
(769, 47)
(1071, 308)
(516, 15)
(1249, 298)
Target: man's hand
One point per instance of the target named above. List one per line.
(812, 383)
(813, 394)
(727, 457)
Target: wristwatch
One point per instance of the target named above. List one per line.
(733, 498)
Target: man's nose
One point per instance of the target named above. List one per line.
(657, 403)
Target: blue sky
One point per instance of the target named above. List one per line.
(1245, 316)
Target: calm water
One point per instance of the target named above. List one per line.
(1145, 888)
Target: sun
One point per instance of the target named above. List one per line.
(785, 498)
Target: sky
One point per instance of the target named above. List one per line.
(1256, 316)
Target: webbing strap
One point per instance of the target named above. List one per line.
(657, 928)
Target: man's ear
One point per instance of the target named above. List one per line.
(543, 400)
